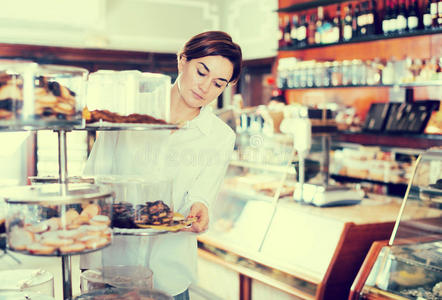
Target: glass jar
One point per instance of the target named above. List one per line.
(41, 96)
(346, 73)
(319, 74)
(310, 68)
(357, 72)
(302, 75)
(327, 74)
(336, 74)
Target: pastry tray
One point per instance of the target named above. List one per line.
(109, 126)
(148, 230)
(120, 294)
(57, 253)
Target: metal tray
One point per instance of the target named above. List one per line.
(123, 294)
(109, 126)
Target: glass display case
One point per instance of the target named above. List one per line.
(58, 219)
(409, 266)
(34, 96)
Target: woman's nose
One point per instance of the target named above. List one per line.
(205, 84)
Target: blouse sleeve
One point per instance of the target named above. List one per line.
(207, 185)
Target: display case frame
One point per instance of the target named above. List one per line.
(408, 265)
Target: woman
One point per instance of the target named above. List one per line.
(196, 157)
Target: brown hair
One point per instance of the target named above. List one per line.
(214, 43)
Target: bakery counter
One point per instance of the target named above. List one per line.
(308, 252)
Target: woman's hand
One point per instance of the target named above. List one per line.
(199, 211)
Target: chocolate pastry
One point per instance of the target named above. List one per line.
(123, 215)
(154, 213)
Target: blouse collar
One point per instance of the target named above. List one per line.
(202, 121)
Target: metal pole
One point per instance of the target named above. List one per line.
(326, 159)
(67, 277)
(62, 157)
(62, 179)
(301, 175)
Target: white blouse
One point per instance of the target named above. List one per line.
(196, 158)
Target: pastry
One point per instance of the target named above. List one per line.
(20, 238)
(108, 116)
(38, 228)
(77, 247)
(37, 248)
(91, 210)
(53, 223)
(57, 242)
(100, 220)
(70, 216)
(69, 234)
(97, 242)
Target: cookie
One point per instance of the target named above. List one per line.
(57, 242)
(97, 243)
(77, 247)
(37, 248)
(19, 238)
(91, 210)
(100, 220)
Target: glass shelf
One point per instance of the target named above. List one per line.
(369, 38)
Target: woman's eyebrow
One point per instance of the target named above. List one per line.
(208, 70)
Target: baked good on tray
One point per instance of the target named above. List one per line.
(52, 101)
(108, 116)
(74, 232)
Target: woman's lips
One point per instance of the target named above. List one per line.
(197, 96)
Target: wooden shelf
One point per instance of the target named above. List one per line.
(414, 141)
(369, 38)
(308, 5)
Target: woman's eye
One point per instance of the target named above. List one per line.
(200, 73)
(218, 85)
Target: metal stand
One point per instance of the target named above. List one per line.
(62, 179)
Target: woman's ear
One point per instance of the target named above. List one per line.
(181, 60)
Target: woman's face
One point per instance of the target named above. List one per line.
(203, 79)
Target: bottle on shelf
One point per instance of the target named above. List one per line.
(354, 24)
(287, 32)
(311, 30)
(412, 18)
(439, 14)
(302, 31)
(387, 18)
(393, 23)
(294, 31)
(361, 19)
(376, 23)
(347, 31)
(427, 18)
(336, 26)
(370, 18)
(434, 13)
(281, 33)
(319, 23)
(327, 29)
(401, 16)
